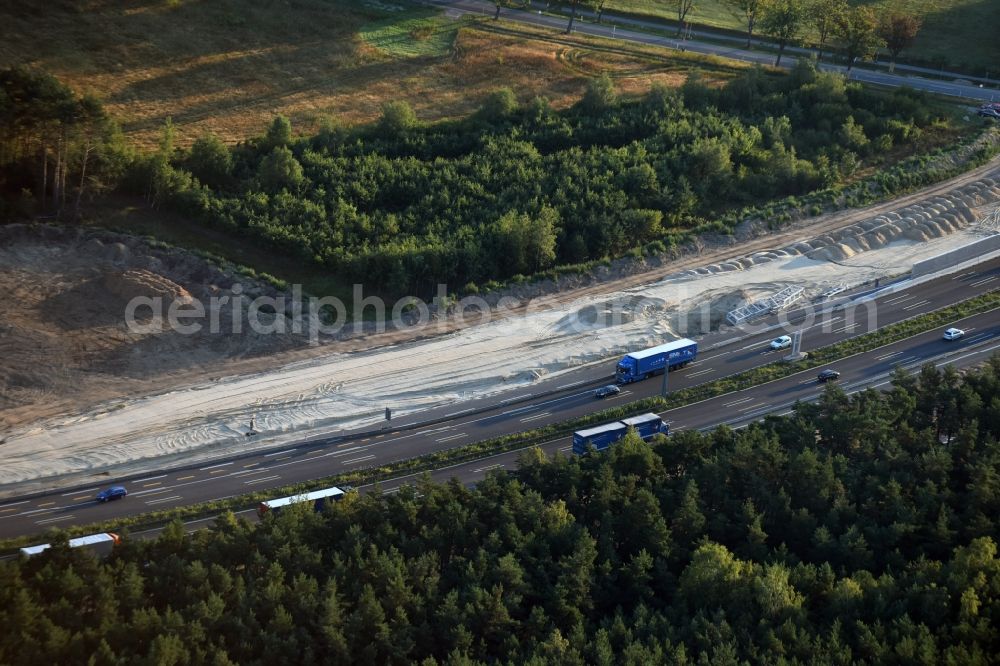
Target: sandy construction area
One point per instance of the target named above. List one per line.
(347, 390)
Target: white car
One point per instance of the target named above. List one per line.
(781, 343)
(953, 334)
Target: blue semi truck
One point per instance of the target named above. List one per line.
(648, 362)
(603, 436)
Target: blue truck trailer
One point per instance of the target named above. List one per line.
(648, 362)
(603, 436)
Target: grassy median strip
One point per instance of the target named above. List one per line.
(448, 457)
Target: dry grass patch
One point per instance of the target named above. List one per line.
(228, 67)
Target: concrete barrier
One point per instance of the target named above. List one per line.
(959, 255)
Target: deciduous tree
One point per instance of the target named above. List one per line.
(751, 12)
(824, 15)
(783, 20)
(898, 31)
(857, 31)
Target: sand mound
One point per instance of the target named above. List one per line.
(136, 283)
(616, 312)
(64, 340)
(707, 312)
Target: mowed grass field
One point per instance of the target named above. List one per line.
(229, 66)
(961, 34)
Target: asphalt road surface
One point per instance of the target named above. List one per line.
(951, 88)
(566, 397)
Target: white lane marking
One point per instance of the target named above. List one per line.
(519, 410)
(736, 402)
(52, 520)
(201, 520)
(885, 356)
(346, 451)
(278, 453)
(88, 490)
(969, 274)
(202, 469)
(357, 460)
(160, 500)
(980, 283)
(759, 405)
(571, 385)
(251, 472)
(15, 503)
(262, 479)
(450, 437)
(152, 478)
(917, 305)
(464, 411)
(28, 513)
(516, 397)
(535, 417)
(489, 467)
(849, 327)
(154, 491)
(426, 432)
(701, 372)
(566, 448)
(979, 337)
(899, 299)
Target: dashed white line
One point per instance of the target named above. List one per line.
(262, 479)
(28, 513)
(160, 500)
(75, 492)
(571, 385)
(450, 437)
(489, 467)
(278, 453)
(53, 520)
(518, 410)
(885, 356)
(357, 460)
(919, 304)
(154, 491)
(736, 402)
(152, 478)
(701, 372)
(980, 283)
(464, 411)
(202, 469)
(534, 417)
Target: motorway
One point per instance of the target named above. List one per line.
(565, 397)
(558, 23)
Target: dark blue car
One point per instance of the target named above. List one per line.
(112, 493)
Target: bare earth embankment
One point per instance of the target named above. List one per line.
(72, 313)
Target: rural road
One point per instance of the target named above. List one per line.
(966, 90)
